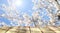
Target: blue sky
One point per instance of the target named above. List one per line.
(26, 8)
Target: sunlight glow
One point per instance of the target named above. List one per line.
(18, 3)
